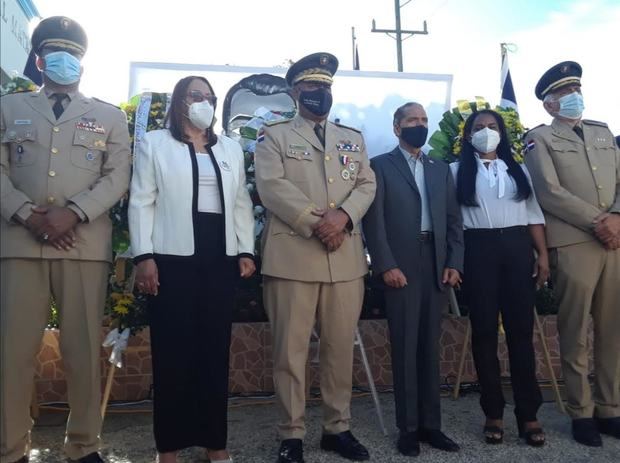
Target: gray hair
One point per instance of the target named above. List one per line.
(400, 113)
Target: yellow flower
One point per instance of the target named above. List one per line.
(116, 296)
(121, 309)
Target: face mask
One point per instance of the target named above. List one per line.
(318, 101)
(62, 67)
(414, 136)
(485, 140)
(201, 114)
(571, 106)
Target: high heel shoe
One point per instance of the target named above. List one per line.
(493, 434)
(534, 437)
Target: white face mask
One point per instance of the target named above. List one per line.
(485, 140)
(201, 114)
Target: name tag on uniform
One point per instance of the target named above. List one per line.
(298, 150)
(22, 122)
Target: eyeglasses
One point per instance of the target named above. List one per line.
(198, 97)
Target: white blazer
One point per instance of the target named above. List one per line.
(161, 203)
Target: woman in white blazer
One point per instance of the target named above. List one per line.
(192, 236)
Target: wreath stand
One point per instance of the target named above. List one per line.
(115, 339)
(543, 342)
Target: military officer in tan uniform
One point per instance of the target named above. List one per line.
(64, 162)
(314, 178)
(575, 169)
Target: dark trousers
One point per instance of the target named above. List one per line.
(498, 274)
(414, 318)
(190, 322)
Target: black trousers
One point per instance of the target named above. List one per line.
(498, 274)
(190, 322)
(414, 319)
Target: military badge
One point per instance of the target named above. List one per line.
(345, 159)
(20, 149)
(530, 146)
(89, 126)
(346, 175)
(99, 144)
(352, 166)
(90, 156)
(348, 146)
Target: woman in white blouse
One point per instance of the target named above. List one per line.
(504, 225)
(192, 237)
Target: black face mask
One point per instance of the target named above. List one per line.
(318, 101)
(414, 136)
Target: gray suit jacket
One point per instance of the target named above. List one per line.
(392, 224)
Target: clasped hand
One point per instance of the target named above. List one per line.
(607, 230)
(53, 225)
(330, 229)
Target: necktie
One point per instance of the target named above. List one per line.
(318, 130)
(58, 108)
(579, 131)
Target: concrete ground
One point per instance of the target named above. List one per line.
(128, 436)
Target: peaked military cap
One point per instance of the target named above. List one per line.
(57, 32)
(560, 75)
(317, 67)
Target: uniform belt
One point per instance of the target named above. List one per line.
(425, 236)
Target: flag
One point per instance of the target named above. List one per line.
(508, 98)
(356, 60)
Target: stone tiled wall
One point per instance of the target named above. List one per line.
(251, 365)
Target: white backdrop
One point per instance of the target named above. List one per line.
(364, 100)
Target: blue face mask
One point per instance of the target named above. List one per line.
(62, 67)
(571, 106)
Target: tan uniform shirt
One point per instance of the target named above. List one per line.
(575, 180)
(296, 175)
(81, 160)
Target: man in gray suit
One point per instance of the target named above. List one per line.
(414, 234)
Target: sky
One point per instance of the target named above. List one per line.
(464, 40)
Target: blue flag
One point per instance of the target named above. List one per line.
(508, 98)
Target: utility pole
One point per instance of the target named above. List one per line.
(399, 33)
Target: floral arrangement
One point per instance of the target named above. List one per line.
(446, 142)
(18, 84)
(248, 135)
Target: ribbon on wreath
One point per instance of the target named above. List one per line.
(141, 119)
(118, 341)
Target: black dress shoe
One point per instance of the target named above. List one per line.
(436, 438)
(408, 444)
(609, 426)
(346, 445)
(586, 433)
(90, 458)
(291, 451)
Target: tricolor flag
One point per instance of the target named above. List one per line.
(356, 60)
(508, 98)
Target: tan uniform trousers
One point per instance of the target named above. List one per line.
(79, 288)
(587, 282)
(293, 307)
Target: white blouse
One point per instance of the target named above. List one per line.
(495, 193)
(208, 188)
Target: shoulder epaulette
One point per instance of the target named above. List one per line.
(347, 127)
(276, 122)
(532, 129)
(17, 91)
(105, 102)
(591, 122)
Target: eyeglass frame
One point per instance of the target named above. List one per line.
(198, 97)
